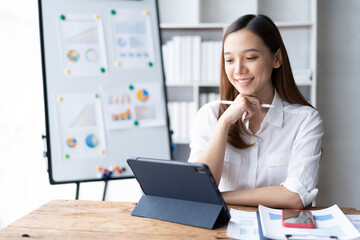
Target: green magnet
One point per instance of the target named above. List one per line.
(131, 87)
(136, 123)
(102, 70)
(62, 17)
(67, 156)
(150, 64)
(113, 12)
(96, 95)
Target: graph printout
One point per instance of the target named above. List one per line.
(133, 38)
(81, 127)
(82, 44)
(129, 106)
(330, 221)
(243, 225)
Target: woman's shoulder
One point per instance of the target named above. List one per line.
(299, 110)
(206, 118)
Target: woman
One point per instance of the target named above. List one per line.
(259, 155)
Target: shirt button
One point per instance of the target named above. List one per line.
(254, 165)
(282, 160)
(253, 139)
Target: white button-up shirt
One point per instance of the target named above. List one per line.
(286, 151)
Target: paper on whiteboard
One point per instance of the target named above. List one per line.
(133, 38)
(130, 106)
(81, 127)
(82, 45)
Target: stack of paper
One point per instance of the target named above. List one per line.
(330, 223)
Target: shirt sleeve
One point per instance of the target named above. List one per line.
(303, 167)
(203, 126)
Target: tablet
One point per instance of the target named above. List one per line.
(178, 192)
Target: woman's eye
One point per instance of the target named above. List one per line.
(228, 60)
(251, 58)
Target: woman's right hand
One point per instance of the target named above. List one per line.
(243, 104)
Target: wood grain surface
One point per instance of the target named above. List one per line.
(80, 219)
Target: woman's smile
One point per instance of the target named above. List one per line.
(243, 82)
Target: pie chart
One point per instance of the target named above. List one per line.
(92, 141)
(71, 142)
(143, 95)
(92, 55)
(73, 56)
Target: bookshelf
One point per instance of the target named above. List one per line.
(190, 26)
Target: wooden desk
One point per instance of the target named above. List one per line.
(76, 220)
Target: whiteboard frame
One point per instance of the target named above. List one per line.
(50, 125)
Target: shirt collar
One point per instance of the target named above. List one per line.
(275, 115)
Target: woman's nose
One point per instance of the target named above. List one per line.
(240, 68)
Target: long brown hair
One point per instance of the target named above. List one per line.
(282, 78)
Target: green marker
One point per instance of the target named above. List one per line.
(113, 12)
(96, 95)
(67, 156)
(62, 17)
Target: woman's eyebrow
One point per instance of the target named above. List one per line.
(246, 50)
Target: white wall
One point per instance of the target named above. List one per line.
(339, 101)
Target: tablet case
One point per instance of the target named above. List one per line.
(178, 192)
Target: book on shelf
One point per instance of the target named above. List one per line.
(302, 75)
(208, 97)
(181, 115)
(187, 59)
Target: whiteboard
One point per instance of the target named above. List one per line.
(104, 88)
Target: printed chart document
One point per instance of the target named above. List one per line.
(355, 220)
(243, 225)
(328, 222)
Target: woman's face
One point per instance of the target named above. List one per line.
(249, 64)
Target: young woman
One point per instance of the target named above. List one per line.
(259, 155)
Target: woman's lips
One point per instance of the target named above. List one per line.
(244, 81)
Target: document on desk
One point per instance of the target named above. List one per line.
(329, 222)
(355, 220)
(243, 225)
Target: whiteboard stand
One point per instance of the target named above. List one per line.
(77, 190)
(105, 187)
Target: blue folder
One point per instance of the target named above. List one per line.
(178, 192)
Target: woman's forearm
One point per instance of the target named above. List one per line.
(272, 196)
(213, 154)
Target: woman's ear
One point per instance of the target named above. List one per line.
(277, 59)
